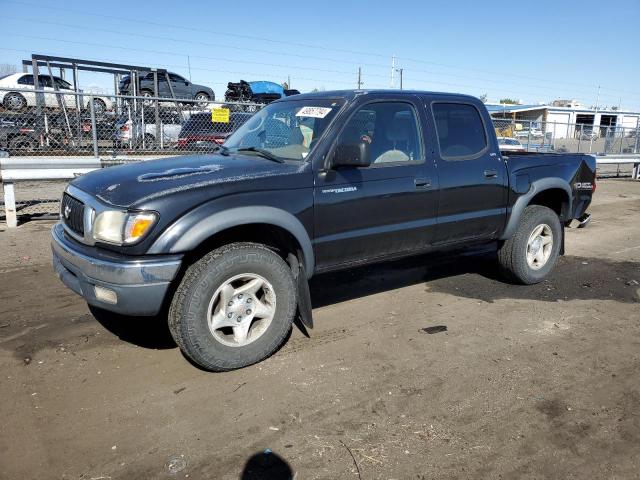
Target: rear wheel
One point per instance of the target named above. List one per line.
(147, 94)
(99, 106)
(531, 253)
(234, 307)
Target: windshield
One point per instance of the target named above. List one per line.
(288, 130)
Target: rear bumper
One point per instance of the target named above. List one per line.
(140, 284)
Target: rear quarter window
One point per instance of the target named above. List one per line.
(460, 130)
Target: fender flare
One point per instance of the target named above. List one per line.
(192, 229)
(522, 202)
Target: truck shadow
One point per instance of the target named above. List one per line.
(475, 274)
(147, 332)
(471, 274)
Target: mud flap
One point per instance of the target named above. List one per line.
(302, 291)
(561, 252)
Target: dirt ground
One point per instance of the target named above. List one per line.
(427, 368)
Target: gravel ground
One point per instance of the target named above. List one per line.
(428, 368)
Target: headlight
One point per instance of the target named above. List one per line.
(122, 228)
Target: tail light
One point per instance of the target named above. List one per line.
(593, 185)
(124, 128)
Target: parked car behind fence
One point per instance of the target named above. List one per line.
(201, 133)
(16, 95)
(140, 131)
(182, 88)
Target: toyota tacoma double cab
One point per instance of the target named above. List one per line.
(225, 243)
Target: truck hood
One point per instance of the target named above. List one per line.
(142, 182)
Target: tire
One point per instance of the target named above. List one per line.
(22, 145)
(99, 106)
(147, 93)
(202, 291)
(516, 255)
(14, 101)
(149, 142)
(202, 97)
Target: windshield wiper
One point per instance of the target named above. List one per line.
(262, 152)
(223, 150)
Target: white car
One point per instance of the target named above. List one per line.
(15, 94)
(533, 133)
(171, 124)
(507, 144)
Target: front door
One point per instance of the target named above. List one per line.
(363, 213)
(472, 174)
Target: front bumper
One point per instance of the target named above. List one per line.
(140, 283)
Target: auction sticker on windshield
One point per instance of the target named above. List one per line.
(315, 112)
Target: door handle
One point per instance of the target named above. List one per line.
(422, 182)
(490, 173)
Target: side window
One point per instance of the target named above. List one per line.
(460, 129)
(62, 83)
(391, 129)
(26, 80)
(45, 81)
(176, 78)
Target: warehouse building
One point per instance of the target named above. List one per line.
(564, 118)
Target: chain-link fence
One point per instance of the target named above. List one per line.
(63, 122)
(557, 137)
(48, 122)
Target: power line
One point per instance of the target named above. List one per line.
(299, 44)
(191, 28)
(178, 40)
(183, 55)
(298, 67)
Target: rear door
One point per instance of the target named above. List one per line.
(45, 83)
(472, 174)
(181, 88)
(363, 213)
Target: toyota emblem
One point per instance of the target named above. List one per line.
(67, 211)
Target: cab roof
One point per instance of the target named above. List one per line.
(351, 94)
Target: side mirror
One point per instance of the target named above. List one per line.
(351, 155)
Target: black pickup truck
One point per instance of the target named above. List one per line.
(225, 243)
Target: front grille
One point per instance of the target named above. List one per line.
(72, 213)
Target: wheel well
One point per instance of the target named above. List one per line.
(556, 199)
(276, 238)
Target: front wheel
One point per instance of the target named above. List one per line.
(15, 102)
(234, 307)
(531, 253)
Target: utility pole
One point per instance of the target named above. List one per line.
(401, 78)
(289, 82)
(593, 127)
(189, 67)
(393, 71)
(359, 78)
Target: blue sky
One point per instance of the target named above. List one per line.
(532, 51)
